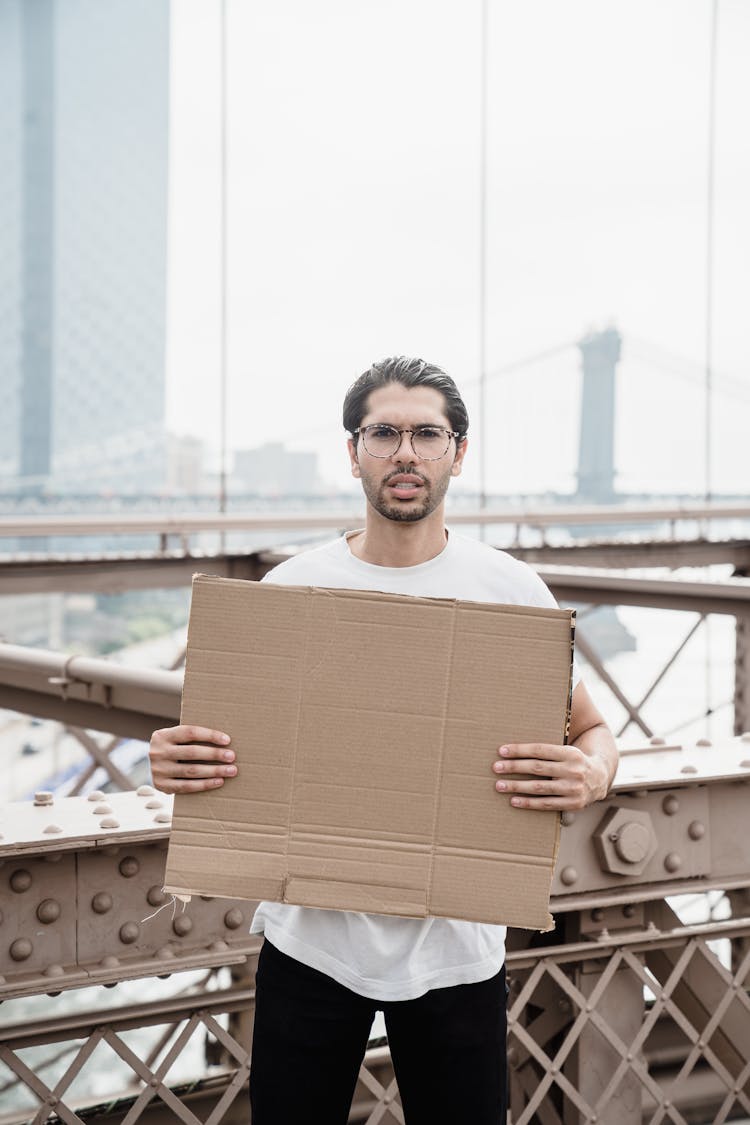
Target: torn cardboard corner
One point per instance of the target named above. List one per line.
(365, 727)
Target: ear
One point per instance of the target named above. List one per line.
(458, 460)
(352, 447)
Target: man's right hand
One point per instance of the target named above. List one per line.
(190, 759)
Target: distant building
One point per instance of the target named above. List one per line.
(274, 470)
(185, 464)
(83, 233)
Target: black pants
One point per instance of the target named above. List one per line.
(448, 1048)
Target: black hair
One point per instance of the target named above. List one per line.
(409, 373)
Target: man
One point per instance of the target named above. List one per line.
(440, 983)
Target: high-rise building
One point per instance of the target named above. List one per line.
(84, 101)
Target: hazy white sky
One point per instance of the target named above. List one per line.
(353, 219)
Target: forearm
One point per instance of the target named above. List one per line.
(598, 744)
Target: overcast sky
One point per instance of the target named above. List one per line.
(353, 219)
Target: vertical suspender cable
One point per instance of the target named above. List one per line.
(482, 319)
(708, 441)
(711, 161)
(223, 259)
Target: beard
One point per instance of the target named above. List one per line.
(405, 511)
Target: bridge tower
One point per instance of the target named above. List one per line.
(600, 353)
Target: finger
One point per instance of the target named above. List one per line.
(539, 788)
(195, 770)
(544, 750)
(175, 785)
(532, 766)
(546, 804)
(185, 753)
(183, 734)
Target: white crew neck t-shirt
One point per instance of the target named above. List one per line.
(377, 955)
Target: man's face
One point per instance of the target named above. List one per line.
(402, 487)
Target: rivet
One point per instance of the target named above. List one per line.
(629, 910)
(154, 1082)
(145, 791)
(182, 925)
(129, 866)
(102, 810)
(96, 795)
(48, 911)
(703, 742)
(689, 769)
(387, 1099)
(672, 862)
(156, 896)
(568, 876)
(233, 918)
(163, 818)
(218, 947)
(165, 953)
(21, 948)
(52, 857)
(670, 805)
(553, 1071)
(54, 971)
(20, 880)
(567, 817)
(629, 1056)
(101, 902)
(110, 961)
(129, 932)
(667, 1103)
(44, 797)
(207, 898)
(597, 914)
(52, 829)
(51, 1100)
(701, 1045)
(696, 830)
(657, 740)
(154, 804)
(109, 822)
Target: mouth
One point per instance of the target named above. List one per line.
(405, 486)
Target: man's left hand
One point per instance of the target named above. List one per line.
(561, 778)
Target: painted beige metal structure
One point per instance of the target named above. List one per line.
(634, 1010)
(627, 1013)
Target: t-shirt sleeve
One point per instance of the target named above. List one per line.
(541, 595)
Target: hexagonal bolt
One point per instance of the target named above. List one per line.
(625, 841)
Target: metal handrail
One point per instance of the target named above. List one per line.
(553, 515)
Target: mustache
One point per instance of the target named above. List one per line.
(409, 471)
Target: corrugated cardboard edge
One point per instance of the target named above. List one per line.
(178, 889)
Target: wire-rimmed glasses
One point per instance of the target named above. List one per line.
(429, 443)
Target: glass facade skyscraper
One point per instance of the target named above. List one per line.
(84, 102)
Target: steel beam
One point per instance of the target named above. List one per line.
(184, 524)
(114, 573)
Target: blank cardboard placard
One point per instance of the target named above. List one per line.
(365, 727)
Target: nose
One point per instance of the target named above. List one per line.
(405, 451)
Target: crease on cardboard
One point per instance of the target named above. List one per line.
(441, 758)
(316, 592)
(293, 778)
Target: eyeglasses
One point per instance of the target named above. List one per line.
(429, 443)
